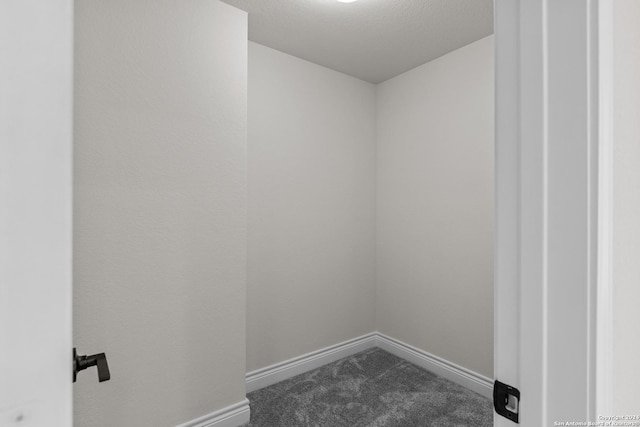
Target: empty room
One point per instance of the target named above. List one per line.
(291, 213)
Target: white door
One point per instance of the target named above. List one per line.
(547, 252)
(36, 47)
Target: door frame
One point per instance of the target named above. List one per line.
(553, 316)
(603, 334)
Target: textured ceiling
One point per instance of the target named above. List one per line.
(370, 39)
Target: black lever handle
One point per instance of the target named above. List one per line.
(80, 363)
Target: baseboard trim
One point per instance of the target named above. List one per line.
(439, 366)
(232, 416)
(269, 375)
(239, 414)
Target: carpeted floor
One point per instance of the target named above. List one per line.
(372, 388)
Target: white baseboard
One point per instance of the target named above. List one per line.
(289, 368)
(281, 371)
(232, 416)
(238, 414)
(455, 373)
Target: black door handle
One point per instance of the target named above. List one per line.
(80, 363)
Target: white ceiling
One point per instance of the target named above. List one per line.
(370, 39)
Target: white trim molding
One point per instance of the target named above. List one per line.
(604, 316)
(232, 416)
(439, 366)
(551, 249)
(269, 375)
(281, 371)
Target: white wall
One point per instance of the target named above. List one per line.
(160, 222)
(311, 207)
(626, 207)
(435, 207)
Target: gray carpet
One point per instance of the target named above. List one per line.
(372, 388)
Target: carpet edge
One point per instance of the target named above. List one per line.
(275, 373)
(462, 376)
